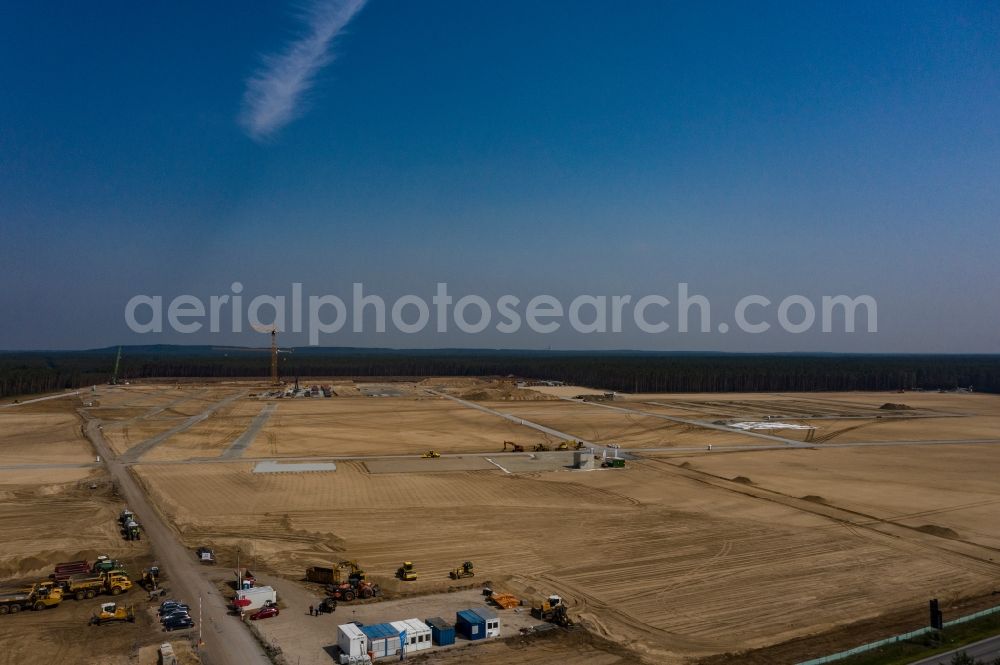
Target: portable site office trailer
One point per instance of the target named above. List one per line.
(490, 618)
(470, 625)
(442, 632)
(383, 639)
(352, 642)
(418, 634)
(257, 597)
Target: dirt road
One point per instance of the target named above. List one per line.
(227, 642)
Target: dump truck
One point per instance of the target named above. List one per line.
(335, 574)
(406, 572)
(467, 570)
(35, 597)
(112, 612)
(88, 586)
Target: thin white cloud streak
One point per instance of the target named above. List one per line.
(274, 94)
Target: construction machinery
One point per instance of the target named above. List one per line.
(105, 564)
(467, 570)
(88, 586)
(205, 554)
(431, 454)
(150, 579)
(35, 597)
(112, 612)
(406, 572)
(327, 605)
(553, 610)
(131, 530)
(515, 447)
(348, 592)
(563, 445)
(335, 574)
(540, 447)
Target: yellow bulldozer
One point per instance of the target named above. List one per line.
(431, 454)
(112, 612)
(467, 570)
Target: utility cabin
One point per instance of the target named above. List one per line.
(477, 624)
(353, 644)
(442, 632)
(383, 640)
(417, 633)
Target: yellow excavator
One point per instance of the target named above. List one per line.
(516, 447)
(431, 454)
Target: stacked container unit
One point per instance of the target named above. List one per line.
(418, 634)
(470, 625)
(442, 632)
(383, 640)
(352, 642)
(489, 616)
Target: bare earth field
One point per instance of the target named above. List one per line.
(685, 553)
(381, 426)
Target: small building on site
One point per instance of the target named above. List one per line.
(442, 632)
(470, 625)
(584, 459)
(383, 639)
(490, 619)
(352, 642)
(418, 634)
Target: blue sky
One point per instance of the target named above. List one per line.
(525, 148)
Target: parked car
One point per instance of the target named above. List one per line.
(265, 612)
(178, 623)
(167, 608)
(176, 616)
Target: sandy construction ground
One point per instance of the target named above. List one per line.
(380, 426)
(643, 554)
(679, 555)
(944, 487)
(600, 425)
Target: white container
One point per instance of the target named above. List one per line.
(257, 597)
(352, 641)
(418, 635)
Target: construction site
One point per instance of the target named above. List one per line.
(485, 519)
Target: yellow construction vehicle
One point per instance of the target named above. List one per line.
(406, 572)
(516, 447)
(111, 612)
(540, 447)
(467, 570)
(38, 596)
(431, 454)
(553, 610)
